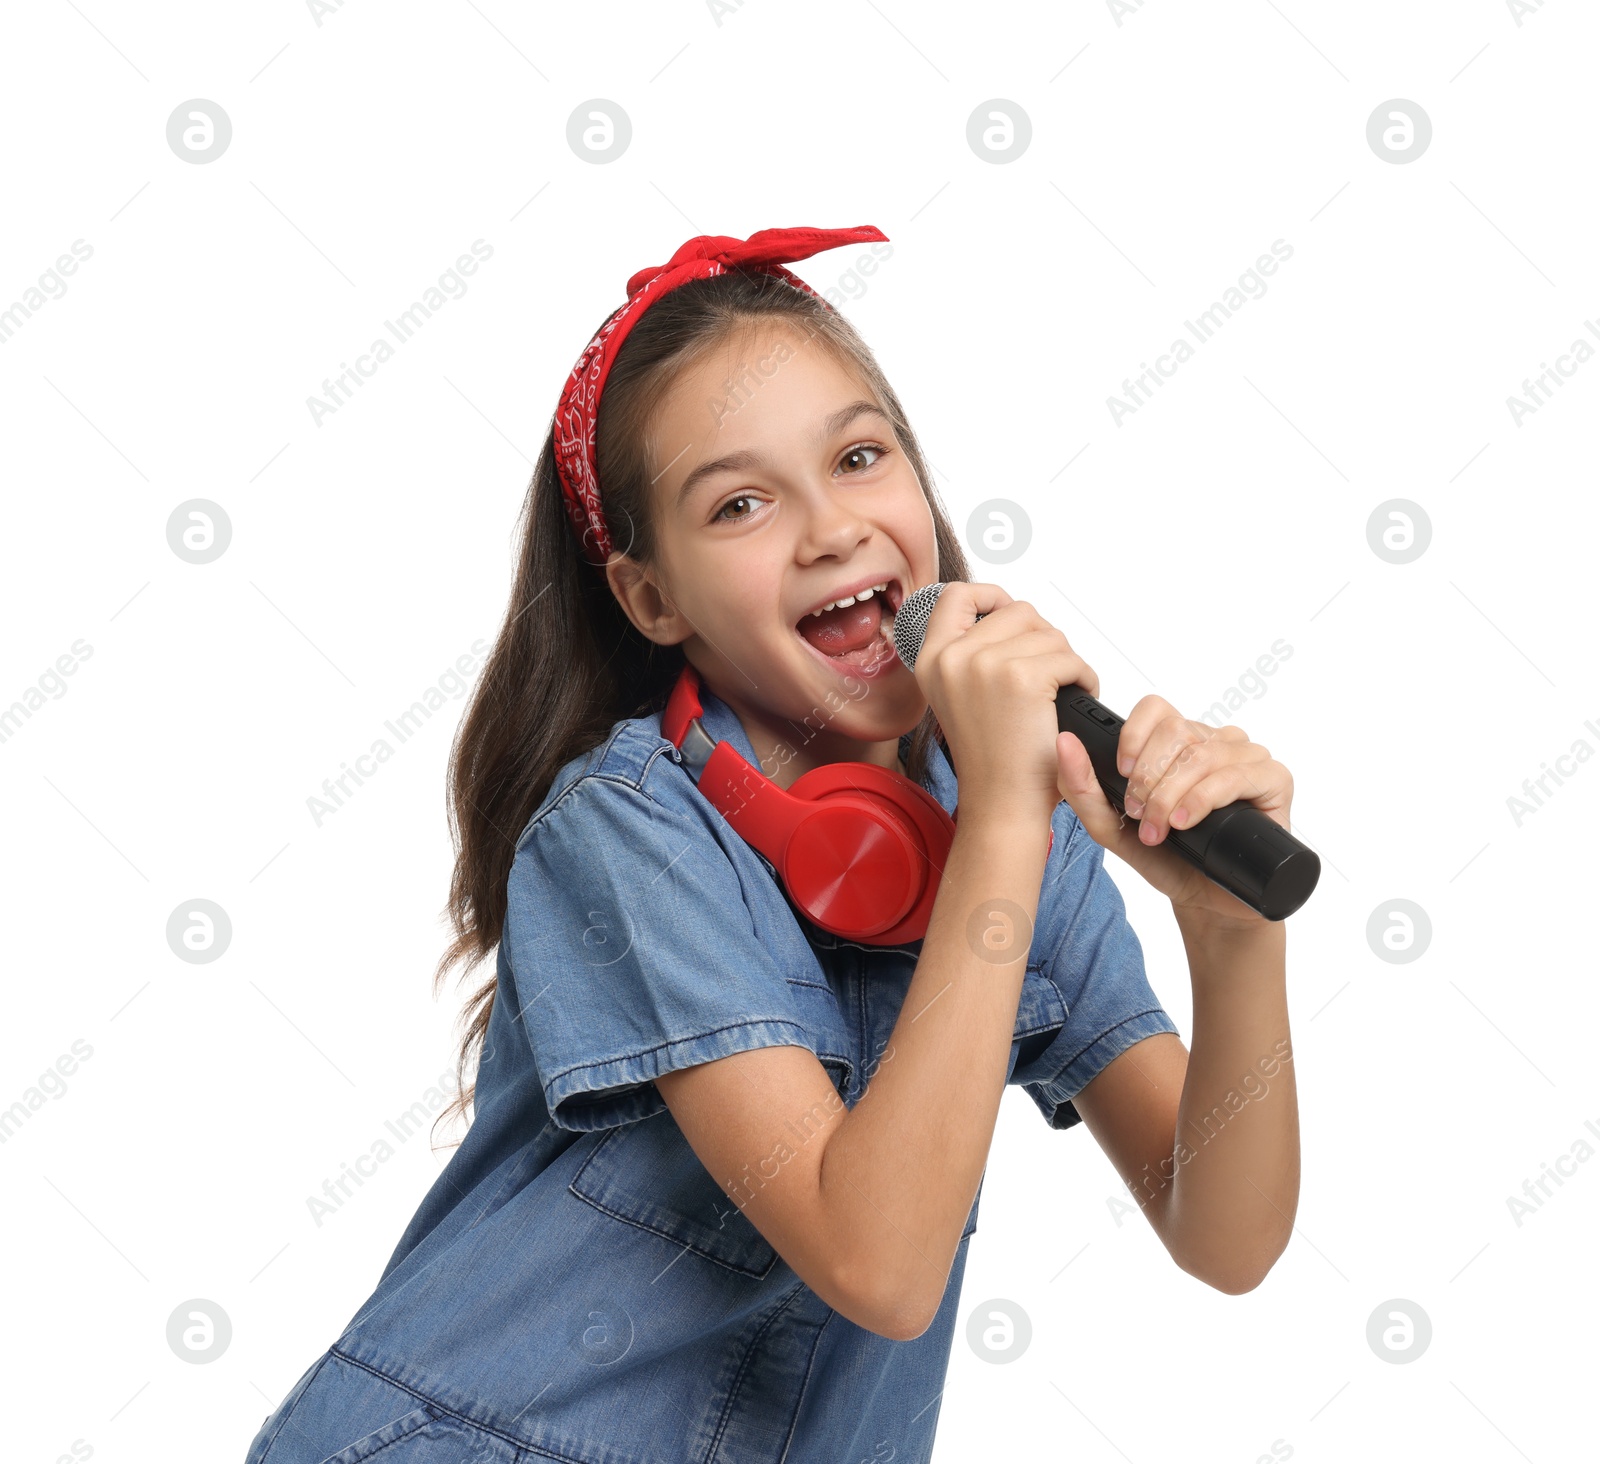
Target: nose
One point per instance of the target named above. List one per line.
(833, 525)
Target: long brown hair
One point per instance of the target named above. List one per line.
(568, 663)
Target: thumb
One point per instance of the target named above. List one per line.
(1077, 783)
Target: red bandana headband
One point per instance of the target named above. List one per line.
(710, 254)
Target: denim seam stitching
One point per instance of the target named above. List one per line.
(784, 1305)
(1115, 1027)
(1034, 1031)
(448, 1412)
(430, 1410)
(571, 788)
(1061, 996)
(1047, 968)
(595, 758)
(863, 1021)
(673, 1042)
(651, 1229)
(460, 1418)
(805, 1382)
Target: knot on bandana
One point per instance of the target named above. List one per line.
(766, 251)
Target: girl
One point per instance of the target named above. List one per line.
(731, 1119)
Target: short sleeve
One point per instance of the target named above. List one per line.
(633, 953)
(1097, 964)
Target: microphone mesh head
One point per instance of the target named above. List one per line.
(911, 623)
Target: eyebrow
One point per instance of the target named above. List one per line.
(841, 419)
(746, 460)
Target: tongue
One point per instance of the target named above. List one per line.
(848, 628)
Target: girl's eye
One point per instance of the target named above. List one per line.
(722, 516)
(857, 455)
(855, 459)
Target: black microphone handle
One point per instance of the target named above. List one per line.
(1237, 846)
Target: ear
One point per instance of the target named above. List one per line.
(645, 604)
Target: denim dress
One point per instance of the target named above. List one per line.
(575, 1285)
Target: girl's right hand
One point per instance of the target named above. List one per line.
(992, 684)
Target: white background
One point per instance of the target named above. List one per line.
(1168, 152)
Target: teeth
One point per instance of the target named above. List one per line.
(865, 594)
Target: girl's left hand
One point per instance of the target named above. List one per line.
(1178, 771)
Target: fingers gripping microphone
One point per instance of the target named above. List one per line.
(1237, 846)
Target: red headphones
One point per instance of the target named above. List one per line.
(860, 849)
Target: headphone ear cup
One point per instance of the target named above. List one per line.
(859, 849)
(852, 864)
(869, 868)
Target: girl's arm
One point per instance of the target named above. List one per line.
(1208, 1142)
(868, 1204)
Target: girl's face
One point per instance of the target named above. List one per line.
(781, 487)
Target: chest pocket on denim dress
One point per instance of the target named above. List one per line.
(648, 1175)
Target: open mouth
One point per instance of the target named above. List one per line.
(856, 636)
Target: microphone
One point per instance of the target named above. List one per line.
(1237, 846)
